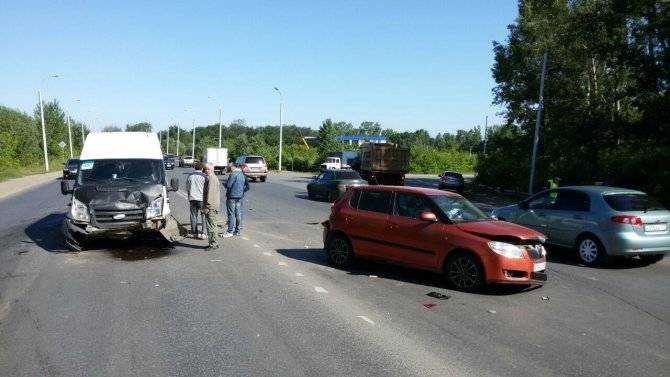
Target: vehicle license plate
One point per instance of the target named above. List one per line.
(540, 266)
(655, 227)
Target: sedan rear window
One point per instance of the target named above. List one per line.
(347, 174)
(632, 202)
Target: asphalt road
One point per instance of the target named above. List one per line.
(268, 304)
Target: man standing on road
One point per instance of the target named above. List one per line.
(236, 185)
(212, 201)
(195, 184)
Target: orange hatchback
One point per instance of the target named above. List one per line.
(432, 230)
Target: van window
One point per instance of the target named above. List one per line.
(374, 201)
(120, 172)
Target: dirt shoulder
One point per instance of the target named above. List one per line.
(15, 185)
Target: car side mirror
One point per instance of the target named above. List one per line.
(428, 216)
(65, 188)
(314, 177)
(174, 184)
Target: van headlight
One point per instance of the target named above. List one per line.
(506, 249)
(155, 208)
(79, 211)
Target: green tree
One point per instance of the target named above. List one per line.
(327, 139)
(139, 127)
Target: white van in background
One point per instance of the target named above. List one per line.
(120, 190)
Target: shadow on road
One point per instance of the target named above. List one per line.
(398, 274)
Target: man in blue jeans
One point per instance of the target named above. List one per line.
(236, 185)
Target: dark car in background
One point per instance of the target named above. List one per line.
(451, 180)
(70, 168)
(168, 162)
(330, 184)
(432, 230)
(597, 221)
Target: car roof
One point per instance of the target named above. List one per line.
(409, 189)
(602, 190)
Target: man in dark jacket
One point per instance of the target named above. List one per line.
(236, 185)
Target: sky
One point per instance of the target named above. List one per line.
(408, 65)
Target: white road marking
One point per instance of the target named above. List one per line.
(320, 290)
(366, 319)
(215, 260)
(268, 254)
(255, 245)
(298, 274)
(283, 264)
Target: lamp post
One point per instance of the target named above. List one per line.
(193, 145)
(220, 112)
(281, 102)
(44, 133)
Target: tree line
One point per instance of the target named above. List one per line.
(605, 115)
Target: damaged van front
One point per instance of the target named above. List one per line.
(120, 191)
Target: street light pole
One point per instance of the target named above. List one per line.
(220, 114)
(44, 133)
(281, 141)
(193, 145)
(69, 132)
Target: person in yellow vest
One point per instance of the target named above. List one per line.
(553, 183)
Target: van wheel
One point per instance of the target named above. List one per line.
(590, 251)
(340, 252)
(464, 272)
(651, 259)
(263, 179)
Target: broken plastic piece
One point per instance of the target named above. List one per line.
(438, 295)
(429, 306)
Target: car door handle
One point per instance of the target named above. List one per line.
(393, 226)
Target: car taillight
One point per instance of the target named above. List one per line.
(632, 220)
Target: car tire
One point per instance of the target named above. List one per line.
(590, 251)
(464, 272)
(310, 194)
(652, 258)
(331, 196)
(263, 179)
(339, 250)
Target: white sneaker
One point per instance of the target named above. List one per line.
(227, 235)
(202, 236)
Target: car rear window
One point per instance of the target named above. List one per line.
(255, 160)
(453, 175)
(347, 175)
(632, 202)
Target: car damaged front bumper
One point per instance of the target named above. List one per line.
(77, 233)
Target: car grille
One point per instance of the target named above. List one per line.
(105, 219)
(534, 251)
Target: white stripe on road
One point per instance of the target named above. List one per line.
(320, 290)
(366, 319)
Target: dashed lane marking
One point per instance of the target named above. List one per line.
(366, 319)
(320, 290)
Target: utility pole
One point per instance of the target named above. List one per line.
(536, 138)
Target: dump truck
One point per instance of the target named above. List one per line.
(383, 163)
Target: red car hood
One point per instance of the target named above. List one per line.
(493, 229)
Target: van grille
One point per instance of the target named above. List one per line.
(105, 219)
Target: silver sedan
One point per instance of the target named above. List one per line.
(598, 221)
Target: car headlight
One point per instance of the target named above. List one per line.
(79, 211)
(506, 249)
(155, 208)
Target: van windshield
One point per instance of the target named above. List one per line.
(120, 172)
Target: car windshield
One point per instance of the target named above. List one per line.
(347, 174)
(73, 161)
(458, 209)
(628, 202)
(120, 172)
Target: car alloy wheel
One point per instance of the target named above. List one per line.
(464, 272)
(339, 251)
(590, 251)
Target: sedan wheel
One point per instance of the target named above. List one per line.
(340, 252)
(464, 272)
(310, 194)
(590, 251)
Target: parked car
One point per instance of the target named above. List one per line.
(451, 180)
(186, 161)
(597, 221)
(330, 184)
(253, 167)
(168, 162)
(70, 168)
(432, 230)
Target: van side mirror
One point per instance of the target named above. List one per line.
(174, 184)
(65, 188)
